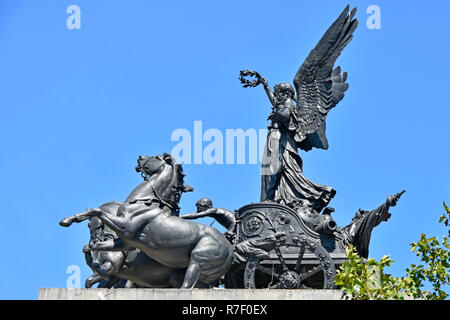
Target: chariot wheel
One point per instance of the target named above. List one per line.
(290, 274)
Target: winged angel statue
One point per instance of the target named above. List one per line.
(298, 119)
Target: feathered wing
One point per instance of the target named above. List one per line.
(319, 87)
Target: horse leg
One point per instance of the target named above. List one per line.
(192, 274)
(199, 254)
(88, 255)
(105, 270)
(66, 222)
(93, 280)
(120, 224)
(209, 260)
(114, 222)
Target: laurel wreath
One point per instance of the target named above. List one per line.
(249, 83)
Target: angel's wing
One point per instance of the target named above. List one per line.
(319, 87)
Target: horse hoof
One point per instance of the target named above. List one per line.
(65, 222)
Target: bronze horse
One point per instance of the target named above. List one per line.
(105, 264)
(123, 269)
(148, 220)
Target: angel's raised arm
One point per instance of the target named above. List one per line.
(269, 92)
(259, 80)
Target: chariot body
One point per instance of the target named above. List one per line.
(279, 247)
(275, 248)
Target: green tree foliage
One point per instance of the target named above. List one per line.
(367, 280)
(435, 257)
(362, 279)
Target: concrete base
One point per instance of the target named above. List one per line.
(179, 294)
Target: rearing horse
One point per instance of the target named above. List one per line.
(148, 220)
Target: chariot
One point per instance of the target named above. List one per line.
(279, 250)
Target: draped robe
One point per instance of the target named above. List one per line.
(282, 168)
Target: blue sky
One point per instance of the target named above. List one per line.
(79, 106)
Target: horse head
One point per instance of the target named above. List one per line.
(165, 176)
(149, 166)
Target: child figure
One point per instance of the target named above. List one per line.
(225, 217)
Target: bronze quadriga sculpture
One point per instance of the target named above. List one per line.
(288, 240)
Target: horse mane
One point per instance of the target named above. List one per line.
(180, 175)
(180, 186)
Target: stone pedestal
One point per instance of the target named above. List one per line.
(181, 294)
